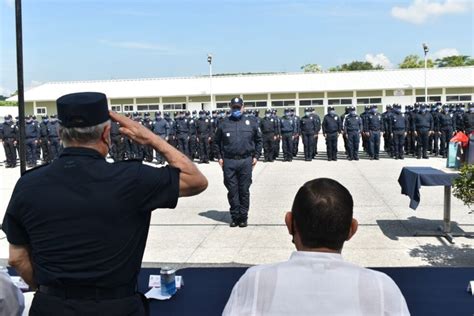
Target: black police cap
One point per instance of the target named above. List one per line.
(236, 101)
(331, 108)
(82, 109)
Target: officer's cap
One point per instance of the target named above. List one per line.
(330, 108)
(202, 112)
(157, 113)
(194, 112)
(147, 114)
(135, 114)
(214, 111)
(53, 116)
(268, 111)
(44, 117)
(236, 102)
(82, 109)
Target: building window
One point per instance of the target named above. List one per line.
(369, 101)
(339, 101)
(283, 103)
(261, 104)
(128, 108)
(222, 105)
(432, 98)
(311, 102)
(249, 104)
(116, 108)
(41, 111)
(147, 107)
(174, 107)
(457, 98)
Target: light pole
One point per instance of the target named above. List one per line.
(426, 50)
(209, 60)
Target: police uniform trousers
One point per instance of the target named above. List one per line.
(204, 148)
(55, 147)
(183, 144)
(136, 150)
(446, 134)
(127, 148)
(315, 145)
(44, 144)
(148, 153)
(212, 152)
(296, 144)
(374, 144)
(287, 146)
(159, 158)
(193, 146)
(353, 139)
(173, 141)
(268, 146)
(276, 148)
(331, 145)
(422, 140)
(30, 146)
(47, 305)
(118, 148)
(411, 138)
(435, 143)
(308, 144)
(237, 180)
(10, 151)
(398, 142)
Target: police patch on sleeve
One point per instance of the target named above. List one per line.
(227, 134)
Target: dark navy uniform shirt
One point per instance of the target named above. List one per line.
(238, 137)
(332, 124)
(86, 220)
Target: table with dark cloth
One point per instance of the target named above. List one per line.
(428, 291)
(412, 178)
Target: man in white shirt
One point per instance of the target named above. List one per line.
(316, 280)
(11, 299)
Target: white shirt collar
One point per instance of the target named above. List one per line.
(315, 255)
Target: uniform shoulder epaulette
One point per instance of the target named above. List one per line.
(36, 168)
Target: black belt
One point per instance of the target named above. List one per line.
(84, 292)
(236, 157)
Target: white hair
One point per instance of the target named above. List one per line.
(82, 135)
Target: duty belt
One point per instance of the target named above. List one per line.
(85, 292)
(236, 157)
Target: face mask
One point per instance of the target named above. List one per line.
(332, 112)
(423, 110)
(46, 121)
(472, 110)
(307, 113)
(268, 115)
(202, 116)
(29, 121)
(353, 112)
(236, 113)
(373, 110)
(446, 110)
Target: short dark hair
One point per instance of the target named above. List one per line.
(322, 213)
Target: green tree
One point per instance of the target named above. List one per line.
(356, 65)
(455, 61)
(311, 68)
(415, 61)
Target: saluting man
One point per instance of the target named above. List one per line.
(238, 145)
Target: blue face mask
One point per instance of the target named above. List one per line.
(373, 110)
(471, 109)
(236, 113)
(46, 121)
(423, 110)
(202, 116)
(332, 112)
(353, 112)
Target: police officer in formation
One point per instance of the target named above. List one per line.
(238, 145)
(203, 136)
(288, 132)
(269, 129)
(53, 133)
(160, 127)
(446, 129)
(9, 135)
(398, 128)
(386, 118)
(310, 125)
(353, 127)
(372, 130)
(147, 150)
(332, 127)
(32, 134)
(44, 140)
(423, 126)
(468, 120)
(182, 134)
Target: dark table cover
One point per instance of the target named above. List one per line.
(412, 178)
(428, 291)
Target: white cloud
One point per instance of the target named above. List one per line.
(445, 52)
(5, 91)
(421, 10)
(379, 59)
(141, 45)
(10, 3)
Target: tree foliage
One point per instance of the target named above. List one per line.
(356, 65)
(415, 61)
(311, 68)
(464, 185)
(455, 61)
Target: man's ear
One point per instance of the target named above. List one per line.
(353, 228)
(289, 223)
(106, 132)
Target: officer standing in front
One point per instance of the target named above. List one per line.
(353, 128)
(308, 127)
(332, 127)
(238, 145)
(423, 125)
(161, 128)
(288, 131)
(398, 128)
(82, 252)
(9, 137)
(32, 134)
(53, 134)
(182, 134)
(447, 126)
(373, 127)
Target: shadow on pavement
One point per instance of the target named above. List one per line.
(219, 216)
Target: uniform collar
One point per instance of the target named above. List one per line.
(81, 151)
(308, 255)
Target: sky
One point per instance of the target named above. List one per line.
(68, 40)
